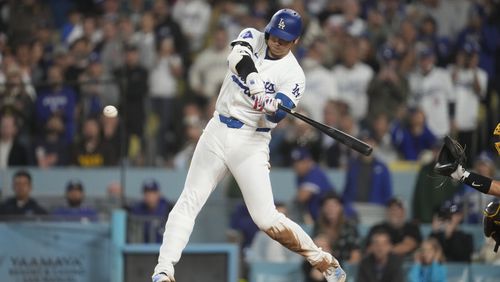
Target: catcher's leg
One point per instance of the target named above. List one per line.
(206, 170)
(251, 171)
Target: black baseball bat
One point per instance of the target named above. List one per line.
(344, 138)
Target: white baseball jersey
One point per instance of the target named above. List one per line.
(284, 75)
(467, 101)
(432, 92)
(352, 85)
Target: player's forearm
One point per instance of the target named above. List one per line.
(481, 183)
(495, 188)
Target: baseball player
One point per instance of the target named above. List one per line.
(262, 73)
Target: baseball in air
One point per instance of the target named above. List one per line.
(110, 111)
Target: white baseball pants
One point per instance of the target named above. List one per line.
(245, 153)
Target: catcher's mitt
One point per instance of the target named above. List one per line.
(451, 155)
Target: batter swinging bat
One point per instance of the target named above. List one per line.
(342, 137)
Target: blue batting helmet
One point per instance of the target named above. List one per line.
(285, 24)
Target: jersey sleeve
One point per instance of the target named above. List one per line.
(249, 37)
(294, 86)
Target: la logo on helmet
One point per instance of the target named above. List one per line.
(281, 24)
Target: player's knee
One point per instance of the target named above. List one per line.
(268, 220)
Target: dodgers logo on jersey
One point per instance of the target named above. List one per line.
(281, 24)
(296, 90)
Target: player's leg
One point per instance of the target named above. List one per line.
(206, 170)
(250, 168)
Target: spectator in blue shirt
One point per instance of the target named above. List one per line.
(415, 137)
(368, 180)
(57, 100)
(428, 265)
(75, 210)
(153, 211)
(312, 183)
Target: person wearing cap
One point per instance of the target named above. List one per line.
(152, 210)
(431, 89)
(457, 245)
(263, 73)
(74, 209)
(388, 90)
(405, 235)
(470, 83)
(312, 184)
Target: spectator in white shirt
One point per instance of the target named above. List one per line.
(321, 86)
(353, 77)
(193, 17)
(144, 39)
(210, 67)
(431, 90)
(469, 87)
(349, 21)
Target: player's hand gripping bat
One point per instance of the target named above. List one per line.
(342, 137)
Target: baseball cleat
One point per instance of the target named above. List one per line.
(163, 277)
(335, 274)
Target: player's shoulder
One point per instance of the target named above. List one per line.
(249, 33)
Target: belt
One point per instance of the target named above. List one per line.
(232, 122)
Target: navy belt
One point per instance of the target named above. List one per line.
(232, 122)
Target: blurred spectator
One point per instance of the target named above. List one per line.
(21, 204)
(388, 90)
(193, 17)
(428, 265)
(431, 90)
(57, 100)
(12, 151)
(440, 45)
(145, 40)
(242, 229)
(265, 249)
(50, 149)
(457, 244)
(312, 184)
(111, 47)
(73, 28)
(166, 26)
(482, 28)
(24, 18)
(430, 190)
(97, 88)
(368, 180)
(112, 142)
(377, 28)
(74, 209)
(88, 151)
(412, 137)
(450, 16)
(133, 81)
(74, 64)
(341, 232)
(380, 264)
(114, 197)
(92, 31)
(321, 85)
(312, 274)
(405, 235)
(349, 21)
(153, 211)
(334, 153)
(126, 31)
(380, 129)
(163, 92)
(470, 83)
(193, 128)
(353, 77)
(209, 68)
(301, 134)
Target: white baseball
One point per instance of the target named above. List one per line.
(110, 111)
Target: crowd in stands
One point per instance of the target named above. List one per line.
(399, 74)
(408, 72)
